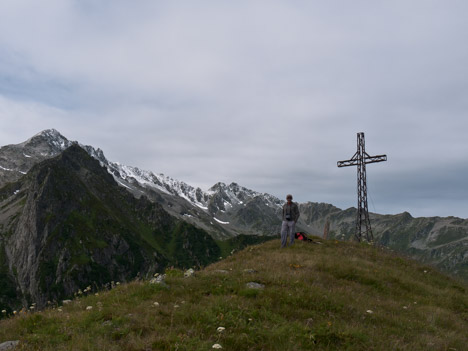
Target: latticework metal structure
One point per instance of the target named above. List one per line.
(360, 159)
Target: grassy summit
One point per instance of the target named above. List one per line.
(333, 296)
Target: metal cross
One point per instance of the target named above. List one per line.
(360, 159)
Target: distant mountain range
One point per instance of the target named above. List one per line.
(64, 216)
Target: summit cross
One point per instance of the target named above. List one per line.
(360, 159)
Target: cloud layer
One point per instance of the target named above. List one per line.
(269, 94)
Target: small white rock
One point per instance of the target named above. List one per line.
(189, 272)
(9, 345)
(156, 304)
(89, 308)
(217, 346)
(370, 311)
(221, 329)
(255, 285)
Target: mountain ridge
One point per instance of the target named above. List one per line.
(225, 211)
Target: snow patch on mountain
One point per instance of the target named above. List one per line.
(221, 222)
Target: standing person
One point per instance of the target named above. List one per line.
(290, 217)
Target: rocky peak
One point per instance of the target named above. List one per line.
(49, 142)
(220, 186)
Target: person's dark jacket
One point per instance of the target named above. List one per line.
(292, 210)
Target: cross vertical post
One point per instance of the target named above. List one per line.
(360, 159)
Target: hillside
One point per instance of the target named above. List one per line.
(329, 296)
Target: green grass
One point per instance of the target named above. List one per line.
(316, 297)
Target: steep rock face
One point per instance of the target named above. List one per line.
(67, 225)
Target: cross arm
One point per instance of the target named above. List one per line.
(367, 159)
(352, 162)
(374, 159)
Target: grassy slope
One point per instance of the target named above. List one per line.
(316, 297)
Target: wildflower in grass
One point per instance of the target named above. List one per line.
(176, 306)
(217, 346)
(156, 304)
(32, 307)
(89, 308)
(59, 309)
(3, 311)
(405, 307)
(370, 311)
(221, 329)
(15, 312)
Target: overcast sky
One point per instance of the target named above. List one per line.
(269, 94)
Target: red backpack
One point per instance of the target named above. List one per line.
(302, 236)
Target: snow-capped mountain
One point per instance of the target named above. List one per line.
(221, 209)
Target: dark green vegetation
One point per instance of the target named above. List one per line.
(330, 296)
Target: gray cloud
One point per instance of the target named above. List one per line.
(269, 94)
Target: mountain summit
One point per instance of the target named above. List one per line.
(228, 210)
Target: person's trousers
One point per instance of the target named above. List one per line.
(287, 228)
